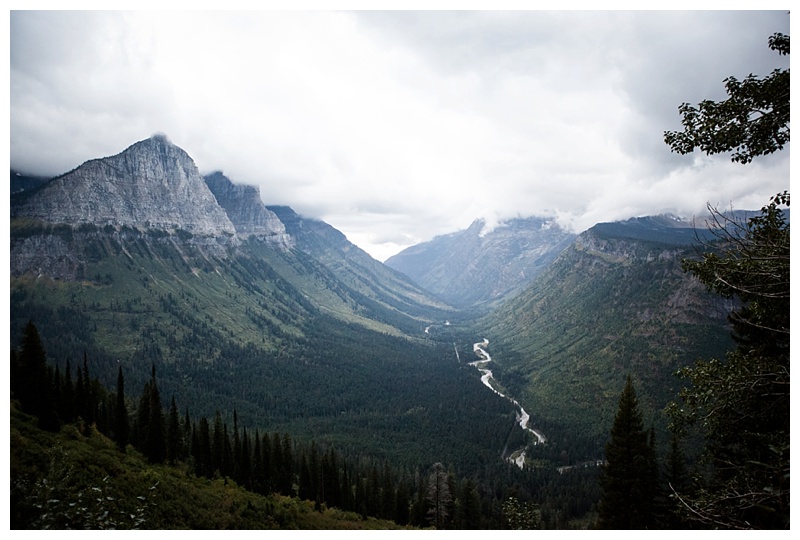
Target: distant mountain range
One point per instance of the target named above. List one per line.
(480, 266)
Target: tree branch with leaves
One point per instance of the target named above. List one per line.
(752, 122)
(741, 404)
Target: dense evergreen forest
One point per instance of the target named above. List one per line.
(209, 446)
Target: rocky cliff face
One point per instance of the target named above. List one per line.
(474, 266)
(152, 185)
(246, 211)
(150, 193)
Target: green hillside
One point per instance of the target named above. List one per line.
(609, 306)
(75, 480)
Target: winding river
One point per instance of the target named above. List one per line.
(522, 417)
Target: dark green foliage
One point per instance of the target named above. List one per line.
(68, 396)
(85, 394)
(152, 429)
(73, 480)
(468, 510)
(121, 426)
(32, 379)
(440, 497)
(752, 122)
(630, 473)
(174, 442)
(217, 446)
(741, 404)
(272, 463)
(676, 480)
(202, 449)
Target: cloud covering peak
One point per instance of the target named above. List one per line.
(394, 126)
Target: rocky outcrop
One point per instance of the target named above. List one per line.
(246, 211)
(152, 185)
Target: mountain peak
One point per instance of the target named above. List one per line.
(152, 184)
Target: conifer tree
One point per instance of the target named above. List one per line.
(121, 427)
(402, 511)
(419, 508)
(227, 453)
(80, 395)
(331, 483)
(186, 448)
(372, 492)
(174, 433)
(388, 502)
(31, 362)
(246, 465)
(88, 399)
(267, 463)
(237, 448)
(314, 468)
(440, 496)
(258, 464)
(468, 509)
(277, 463)
(203, 450)
(58, 391)
(287, 470)
(217, 447)
(67, 411)
(150, 430)
(676, 477)
(627, 476)
(304, 485)
(194, 450)
(139, 435)
(34, 383)
(15, 375)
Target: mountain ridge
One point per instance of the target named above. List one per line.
(472, 266)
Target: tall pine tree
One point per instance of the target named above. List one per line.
(174, 433)
(151, 431)
(628, 477)
(32, 379)
(121, 428)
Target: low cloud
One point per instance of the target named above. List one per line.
(395, 127)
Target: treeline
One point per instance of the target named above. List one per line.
(265, 462)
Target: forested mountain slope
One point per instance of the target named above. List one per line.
(616, 302)
(354, 267)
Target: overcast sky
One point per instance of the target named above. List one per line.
(395, 127)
